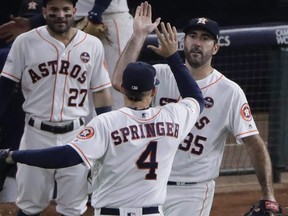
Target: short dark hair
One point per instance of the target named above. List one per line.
(135, 96)
(72, 1)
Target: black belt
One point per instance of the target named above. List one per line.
(57, 129)
(116, 211)
(181, 183)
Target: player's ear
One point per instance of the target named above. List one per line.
(153, 92)
(216, 48)
(44, 12)
(121, 89)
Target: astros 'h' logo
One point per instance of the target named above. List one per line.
(87, 133)
(246, 112)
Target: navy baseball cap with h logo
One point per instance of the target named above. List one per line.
(139, 76)
(203, 23)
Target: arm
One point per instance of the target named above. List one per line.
(168, 48)
(260, 159)
(95, 15)
(18, 25)
(102, 101)
(63, 156)
(6, 91)
(142, 26)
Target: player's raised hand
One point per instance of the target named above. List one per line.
(10, 30)
(143, 24)
(168, 41)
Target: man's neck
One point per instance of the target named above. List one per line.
(66, 37)
(140, 105)
(200, 72)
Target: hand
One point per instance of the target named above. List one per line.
(10, 30)
(99, 30)
(5, 166)
(168, 41)
(265, 208)
(143, 20)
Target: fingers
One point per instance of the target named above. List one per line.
(168, 33)
(144, 9)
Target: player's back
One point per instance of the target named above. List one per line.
(136, 149)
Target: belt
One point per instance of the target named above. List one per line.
(116, 211)
(181, 183)
(57, 129)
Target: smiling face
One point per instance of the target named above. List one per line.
(199, 47)
(59, 15)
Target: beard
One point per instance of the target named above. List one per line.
(194, 57)
(59, 27)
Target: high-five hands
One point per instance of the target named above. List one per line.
(168, 41)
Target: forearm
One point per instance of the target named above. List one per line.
(49, 158)
(186, 84)
(129, 54)
(6, 91)
(95, 15)
(261, 162)
(102, 101)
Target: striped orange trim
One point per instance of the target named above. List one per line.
(246, 133)
(86, 159)
(109, 83)
(10, 75)
(213, 82)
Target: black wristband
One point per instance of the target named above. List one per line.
(100, 110)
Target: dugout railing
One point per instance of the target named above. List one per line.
(256, 57)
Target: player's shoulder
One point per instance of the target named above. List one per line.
(88, 38)
(163, 70)
(29, 34)
(161, 66)
(26, 38)
(228, 83)
(187, 103)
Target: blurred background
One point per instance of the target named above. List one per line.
(225, 12)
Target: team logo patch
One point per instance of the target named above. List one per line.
(87, 133)
(209, 102)
(245, 112)
(85, 57)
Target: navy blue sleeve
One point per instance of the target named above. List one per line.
(95, 15)
(186, 84)
(49, 158)
(6, 91)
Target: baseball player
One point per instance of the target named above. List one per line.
(197, 162)
(115, 15)
(57, 65)
(135, 144)
(112, 13)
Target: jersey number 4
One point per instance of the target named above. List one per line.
(147, 160)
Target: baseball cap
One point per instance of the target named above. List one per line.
(203, 23)
(72, 1)
(29, 8)
(139, 76)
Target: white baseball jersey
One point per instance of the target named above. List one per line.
(135, 149)
(56, 79)
(226, 110)
(120, 26)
